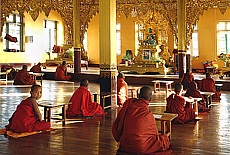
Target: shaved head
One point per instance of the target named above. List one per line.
(178, 87)
(84, 82)
(146, 93)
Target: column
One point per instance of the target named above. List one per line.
(181, 17)
(107, 47)
(76, 35)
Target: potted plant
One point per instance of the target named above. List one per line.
(70, 52)
(225, 58)
(126, 59)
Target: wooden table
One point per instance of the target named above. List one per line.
(218, 86)
(193, 103)
(133, 90)
(167, 83)
(49, 105)
(208, 98)
(210, 69)
(166, 119)
(35, 75)
(103, 97)
(3, 79)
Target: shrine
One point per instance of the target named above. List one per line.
(152, 56)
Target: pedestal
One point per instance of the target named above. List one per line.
(108, 86)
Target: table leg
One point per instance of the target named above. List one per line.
(102, 102)
(45, 114)
(195, 107)
(132, 94)
(167, 89)
(169, 128)
(95, 97)
(41, 79)
(163, 129)
(63, 115)
(210, 100)
(155, 87)
(49, 114)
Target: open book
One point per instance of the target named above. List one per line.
(157, 115)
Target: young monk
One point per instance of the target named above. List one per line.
(176, 105)
(186, 79)
(122, 89)
(82, 104)
(208, 85)
(23, 77)
(61, 72)
(36, 68)
(194, 92)
(27, 117)
(135, 127)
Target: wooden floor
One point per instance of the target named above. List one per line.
(209, 136)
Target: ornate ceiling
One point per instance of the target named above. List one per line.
(89, 8)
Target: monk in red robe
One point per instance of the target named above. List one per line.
(194, 92)
(36, 68)
(208, 85)
(122, 89)
(135, 127)
(61, 72)
(23, 77)
(27, 117)
(186, 79)
(176, 105)
(82, 104)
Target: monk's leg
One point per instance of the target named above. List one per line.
(41, 126)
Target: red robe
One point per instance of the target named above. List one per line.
(24, 119)
(196, 94)
(135, 128)
(82, 104)
(23, 77)
(186, 79)
(60, 74)
(208, 85)
(175, 105)
(122, 91)
(36, 69)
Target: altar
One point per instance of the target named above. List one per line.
(143, 69)
(152, 55)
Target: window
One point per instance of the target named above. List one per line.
(12, 30)
(223, 37)
(193, 48)
(50, 34)
(118, 38)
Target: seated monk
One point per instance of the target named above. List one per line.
(135, 127)
(122, 89)
(82, 104)
(27, 117)
(208, 85)
(194, 92)
(176, 105)
(23, 77)
(186, 79)
(36, 68)
(61, 72)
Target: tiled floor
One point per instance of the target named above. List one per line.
(209, 136)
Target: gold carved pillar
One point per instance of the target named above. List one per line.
(76, 35)
(181, 17)
(107, 48)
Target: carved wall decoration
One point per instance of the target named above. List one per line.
(89, 8)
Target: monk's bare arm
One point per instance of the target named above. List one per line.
(37, 111)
